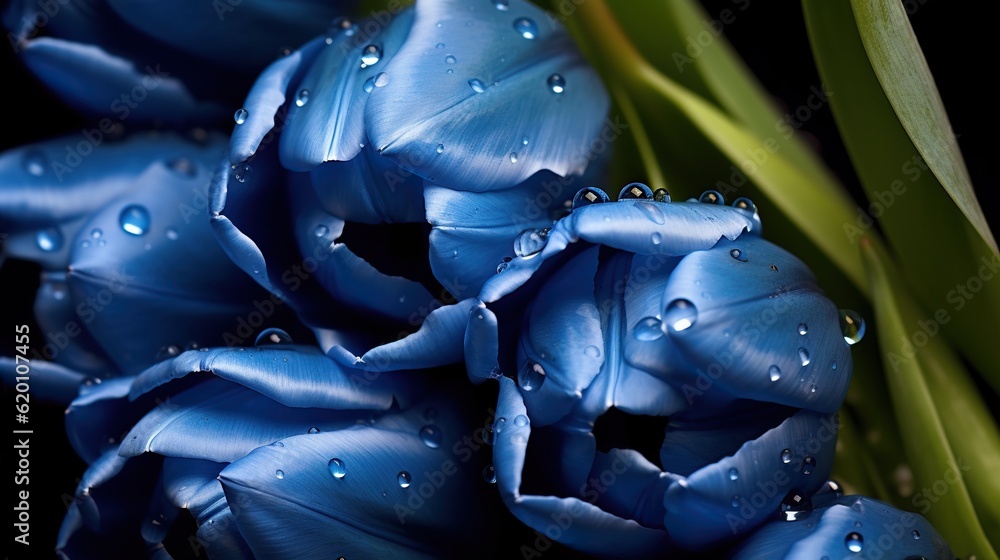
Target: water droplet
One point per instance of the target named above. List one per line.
(440, 148)
(656, 238)
(916, 534)
(504, 263)
(744, 203)
(520, 420)
(439, 46)
(734, 474)
(530, 242)
(272, 336)
(279, 474)
(852, 325)
(502, 5)
(450, 71)
(738, 255)
(735, 502)
(381, 79)
(370, 55)
(556, 83)
(403, 478)
(808, 464)
(526, 27)
(795, 506)
(490, 474)
(321, 231)
(49, 240)
(337, 468)
(680, 315)
(661, 195)
(477, 85)
(589, 195)
(240, 116)
(498, 426)
(634, 191)
(134, 219)
(524, 140)
(592, 352)
(531, 376)
(313, 430)
(775, 373)
(172, 234)
(450, 59)
(34, 162)
(85, 243)
(804, 356)
(513, 157)
(774, 267)
(369, 85)
(241, 171)
(489, 434)
(803, 329)
(302, 97)
(431, 436)
(647, 329)
(711, 197)
(786, 456)
(854, 542)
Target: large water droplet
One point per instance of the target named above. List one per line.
(134, 219)
(854, 542)
(803, 329)
(526, 27)
(513, 157)
(240, 116)
(241, 171)
(302, 97)
(661, 195)
(381, 79)
(530, 242)
(680, 315)
(635, 191)
(556, 83)
(744, 203)
(504, 263)
(321, 231)
(656, 238)
(431, 436)
(648, 329)
(520, 420)
(450, 59)
(589, 195)
(272, 336)
(852, 325)
(369, 85)
(531, 376)
(734, 474)
(279, 474)
(739, 255)
(49, 240)
(804, 356)
(403, 478)
(34, 162)
(711, 197)
(337, 468)
(592, 351)
(795, 506)
(370, 55)
(477, 85)
(774, 372)
(786, 456)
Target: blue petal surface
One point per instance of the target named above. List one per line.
(49, 381)
(423, 105)
(67, 340)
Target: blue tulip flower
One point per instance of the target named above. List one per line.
(452, 113)
(277, 451)
(120, 231)
(177, 62)
(668, 378)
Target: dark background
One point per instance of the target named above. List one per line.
(771, 37)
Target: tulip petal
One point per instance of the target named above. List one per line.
(873, 527)
(236, 419)
(328, 125)
(57, 315)
(423, 105)
(49, 381)
(710, 506)
(95, 76)
(295, 376)
(243, 36)
(436, 343)
(366, 511)
(765, 298)
(265, 99)
(160, 516)
(99, 415)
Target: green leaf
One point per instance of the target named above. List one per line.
(944, 477)
(902, 71)
(944, 260)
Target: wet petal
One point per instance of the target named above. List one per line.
(436, 343)
(765, 298)
(99, 415)
(872, 527)
(418, 107)
(88, 76)
(710, 506)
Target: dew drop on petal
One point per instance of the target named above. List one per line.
(524, 140)
(803, 329)
(774, 372)
(172, 234)
(661, 195)
(134, 219)
(711, 197)
(589, 195)
(321, 231)
(369, 85)
(504, 263)
(439, 46)
(272, 336)
(440, 148)
(680, 315)
(734, 474)
(852, 325)
(556, 83)
(337, 468)
(279, 474)
(490, 474)
(520, 420)
(531, 376)
(49, 240)
(854, 542)
(403, 478)
(804, 356)
(431, 436)
(592, 351)
(381, 79)
(795, 506)
(530, 242)
(656, 238)
(526, 27)
(302, 97)
(240, 116)
(499, 424)
(916, 534)
(241, 171)
(634, 191)
(370, 55)
(34, 162)
(738, 255)
(477, 86)
(313, 430)
(735, 502)
(502, 5)
(744, 203)
(648, 329)
(808, 464)
(786, 456)
(513, 157)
